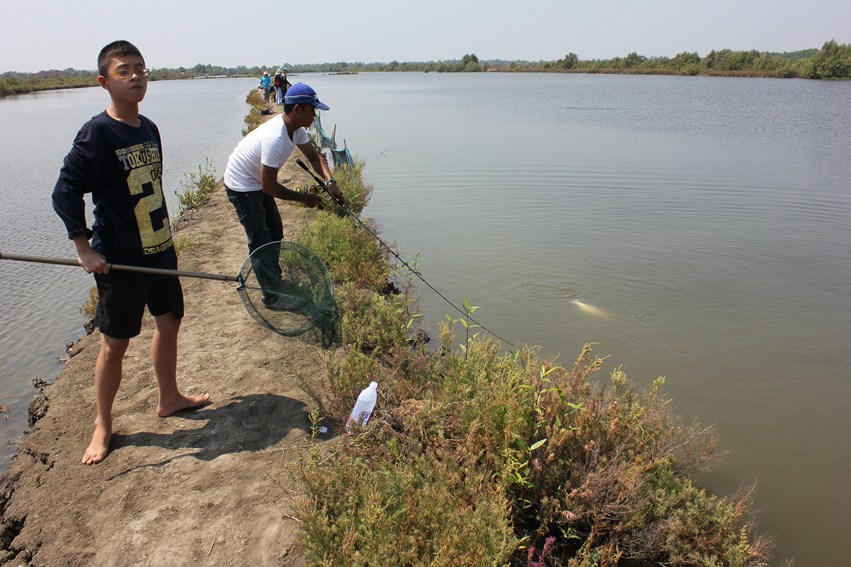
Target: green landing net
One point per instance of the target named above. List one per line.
(287, 289)
(323, 140)
(342, 158)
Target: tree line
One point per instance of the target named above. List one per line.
(832, 61)
(17, 83)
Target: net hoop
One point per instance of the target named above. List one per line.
(287, 289)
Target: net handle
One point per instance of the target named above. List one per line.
(122, 267)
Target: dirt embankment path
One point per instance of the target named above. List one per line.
(199, 488)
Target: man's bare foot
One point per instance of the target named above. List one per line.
(170, 407)
(99, 446)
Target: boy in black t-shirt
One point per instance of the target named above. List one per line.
(116, 157)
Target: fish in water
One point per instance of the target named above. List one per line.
(590, 309)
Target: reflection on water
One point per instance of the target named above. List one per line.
(695, 228)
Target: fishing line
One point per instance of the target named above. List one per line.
(349, 212)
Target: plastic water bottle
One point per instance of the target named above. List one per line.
(363, 407)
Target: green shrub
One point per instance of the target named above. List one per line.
(349, 251)
(402, 493)
(592, 473)
(402, 508)
(350, 181)
(373, 322)
(253, 118)
(607, 475)
(196, 189)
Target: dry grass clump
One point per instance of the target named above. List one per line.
(89, 308)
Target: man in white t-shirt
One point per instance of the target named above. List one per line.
(251, 175)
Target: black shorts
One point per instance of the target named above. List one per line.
(122, 300)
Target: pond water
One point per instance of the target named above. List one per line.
(693, 228)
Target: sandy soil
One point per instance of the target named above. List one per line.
(199, 488)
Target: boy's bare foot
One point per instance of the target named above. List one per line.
(170, 407)
(99, 446)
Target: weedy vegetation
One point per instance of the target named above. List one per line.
(195, 189)
(476, 456)
(89, 308)
(254, 116)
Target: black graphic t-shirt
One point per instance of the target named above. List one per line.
(121, 166)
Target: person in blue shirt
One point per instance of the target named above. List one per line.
(117, 157)
(266, 85)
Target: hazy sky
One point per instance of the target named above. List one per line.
(54, 34)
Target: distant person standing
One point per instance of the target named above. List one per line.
(279, 86)
(266, 85)
(285, 84)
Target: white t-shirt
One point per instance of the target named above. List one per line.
(268, 144)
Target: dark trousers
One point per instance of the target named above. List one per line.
(259, 216)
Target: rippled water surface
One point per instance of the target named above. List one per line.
(696, 228)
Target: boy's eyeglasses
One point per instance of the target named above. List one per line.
(127, 73)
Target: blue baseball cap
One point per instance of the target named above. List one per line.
(300, 93)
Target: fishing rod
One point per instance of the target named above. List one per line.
(349, 212)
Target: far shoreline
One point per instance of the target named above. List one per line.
(646, 72)
(831, 61)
